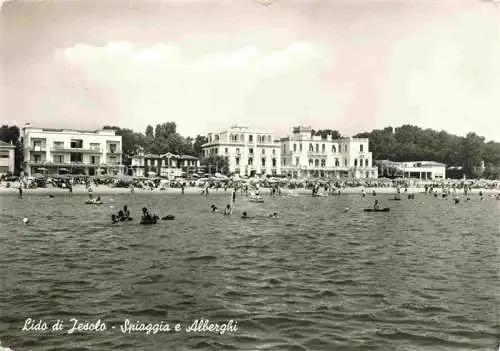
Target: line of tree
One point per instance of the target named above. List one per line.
(412, 143)
(405, 143)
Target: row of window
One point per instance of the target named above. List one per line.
(215, 151)
(323, 148)
(322, 162)
(158, 162)
(263, 162)
(73, 144)
(241, 138)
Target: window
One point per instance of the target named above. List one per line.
(361, 148)
(355, 162)
(274, 162)
(216, 150)
(317, 147)
(250, 161)
(226, 150)
(263, 151)
(316, 163)
(296, 161)
(237, 151)
(250, 151)
(323, 148)
(345, 162)
(59, 144)
(294, 147)
(334, 149)
(367, 163)
(263, 162)
(310, 162)
(323, 163)
(337, 163)
(250, 138)
(237, 161)
(300, 147)
(311, 148)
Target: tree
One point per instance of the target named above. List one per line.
(326, 132)
(132, 142)
(12, 135)
(216, 163)
(198, 142)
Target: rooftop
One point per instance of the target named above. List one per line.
(3, 144)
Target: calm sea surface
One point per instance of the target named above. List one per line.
(424, 276)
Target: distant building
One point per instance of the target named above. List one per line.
(65, 151)
(166, 165)
(7, 158)
(248, 152)
(425, 170)
(305, 155)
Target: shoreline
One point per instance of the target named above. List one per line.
(106, 190)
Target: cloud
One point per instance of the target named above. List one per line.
(160, 81)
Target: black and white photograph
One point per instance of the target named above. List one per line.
(250, 175)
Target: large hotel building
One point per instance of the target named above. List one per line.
(247, 151)
(60, 151)
(300, 155)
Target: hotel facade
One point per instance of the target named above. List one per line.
(63, 151)
(167, 165)
(423, 170)
(7, 158)
(299, 155)
(306, 155)
(248, 152)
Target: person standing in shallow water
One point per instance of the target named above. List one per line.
(182, 188)
(234, 195)
(20, 191)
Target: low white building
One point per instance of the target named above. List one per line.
(7, 158)
(65, 151)
(248, 152)
(305, 155)
(166, 165)
(425, 170)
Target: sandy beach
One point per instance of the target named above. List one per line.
(107, 190)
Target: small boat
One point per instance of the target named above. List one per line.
(387, 209)
(320, 195)
(92, 202)
(256, 199)
(168, 218)
(149, 221)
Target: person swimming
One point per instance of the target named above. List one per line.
(126, 211)
(213, 208)
(274, 215)
(376, 205)
(114, 218)
(228, 210)
(146, 215)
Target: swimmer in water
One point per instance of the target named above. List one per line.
(213, 208)
(228, 210)
(245, 215)
(114, 218)
(126, 212)
(274, 215)
(376, 205)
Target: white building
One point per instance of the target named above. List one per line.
(425, 170)
(64, 151)
(167, 165)
(7, 158)
(247, 151)
(305, 155)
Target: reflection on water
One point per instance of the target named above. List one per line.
(421, 277)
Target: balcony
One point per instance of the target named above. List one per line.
(316, 154)
(59, 149)
(113, 152)
(37, 148)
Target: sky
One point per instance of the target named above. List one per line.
(350, 65)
